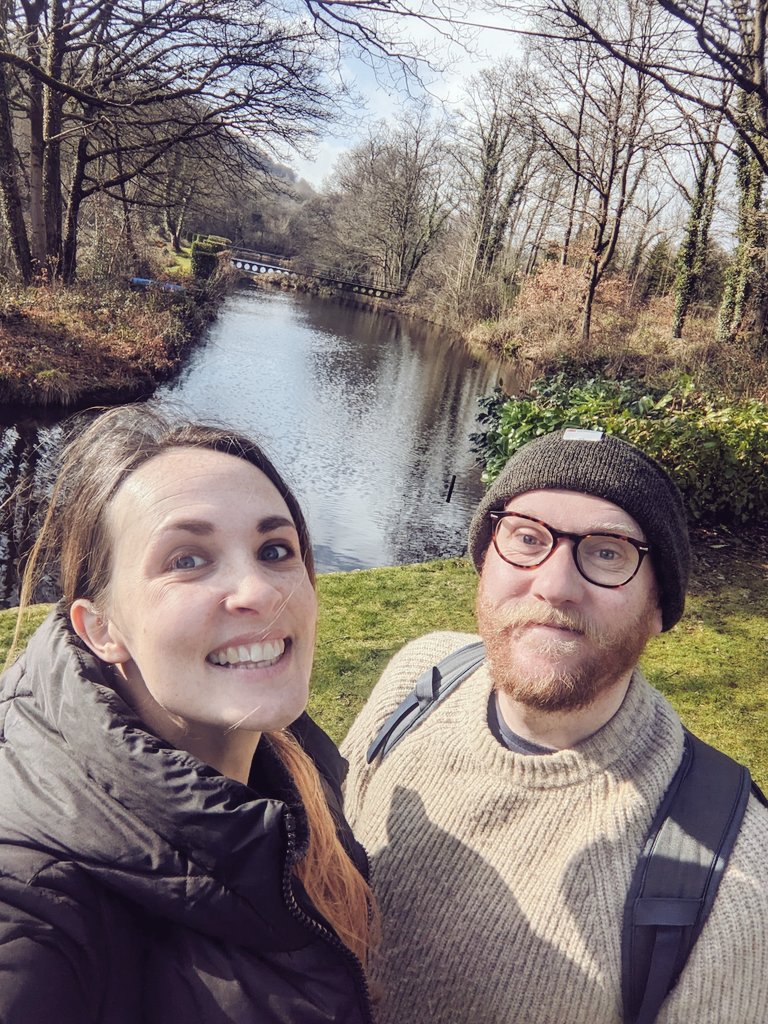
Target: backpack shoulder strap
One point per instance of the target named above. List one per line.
(431, 687)
(676, 878)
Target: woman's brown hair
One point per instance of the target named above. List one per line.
(74, 542)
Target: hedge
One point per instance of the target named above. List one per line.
(715, 449)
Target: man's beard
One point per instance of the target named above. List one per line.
(579, 668)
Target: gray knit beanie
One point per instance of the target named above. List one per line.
(599, 464)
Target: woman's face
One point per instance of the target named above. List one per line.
(210, 612)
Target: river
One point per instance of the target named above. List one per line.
(367, 415)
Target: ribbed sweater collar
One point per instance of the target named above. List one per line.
(644, 733)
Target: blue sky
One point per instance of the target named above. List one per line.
(382, 99)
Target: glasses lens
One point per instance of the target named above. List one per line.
(522, 542)
(609, 561)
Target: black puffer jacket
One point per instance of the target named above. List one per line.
(138, 885)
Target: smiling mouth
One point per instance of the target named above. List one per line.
(248, 655)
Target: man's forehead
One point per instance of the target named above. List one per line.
(575, 510)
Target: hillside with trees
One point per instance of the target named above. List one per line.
(596, 195)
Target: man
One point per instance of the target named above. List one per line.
(504, 828)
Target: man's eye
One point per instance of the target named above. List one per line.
(529, 539)
(276, 552)
(607, 554)
(187, 561)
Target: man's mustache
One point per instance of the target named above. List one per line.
(531, 613)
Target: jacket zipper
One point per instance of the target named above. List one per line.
(325, 933)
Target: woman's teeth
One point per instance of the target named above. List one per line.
(251, 654)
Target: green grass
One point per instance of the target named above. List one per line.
(32, 620)
(366, 616)
(182, 262)
(713, 666)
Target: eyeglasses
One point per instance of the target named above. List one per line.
(605, 559)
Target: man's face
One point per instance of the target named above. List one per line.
(555, 641)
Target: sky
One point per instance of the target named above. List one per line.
(381, 99)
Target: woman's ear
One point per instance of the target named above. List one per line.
(98, 632)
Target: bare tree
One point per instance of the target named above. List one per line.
(705, 55)
(389, 203)
(600, 119)
(103, 92)
(496, 158)
(707, 156)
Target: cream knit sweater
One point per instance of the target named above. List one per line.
(502, 877)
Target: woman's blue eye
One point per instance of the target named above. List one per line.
(187, 561)
(276, 552)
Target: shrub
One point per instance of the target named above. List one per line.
(715, 450)
(204, 260)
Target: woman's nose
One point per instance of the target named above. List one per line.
(251, 589)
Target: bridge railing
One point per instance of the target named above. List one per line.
(252, 262)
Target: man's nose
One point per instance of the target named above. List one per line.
(557, 580)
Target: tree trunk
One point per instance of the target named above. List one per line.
(686, 259)
(589, 302)
(36, 157)
(69, 251)
(33, 11)
(576, 177)
(53, 103)
(595, 268)
(10, 198)
(744, 293)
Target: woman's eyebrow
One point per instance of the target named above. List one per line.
(202, 527)
(275, 523)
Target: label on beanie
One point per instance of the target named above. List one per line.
(575, 434)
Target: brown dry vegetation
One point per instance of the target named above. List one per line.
(71, 346)
(629, 336)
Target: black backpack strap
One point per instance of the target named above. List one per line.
(677, 875)
(759, 794)
(431, 687)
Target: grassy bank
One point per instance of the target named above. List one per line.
(90, 343)
(713, 666)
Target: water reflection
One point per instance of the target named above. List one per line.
(26, 451)
(368, 415)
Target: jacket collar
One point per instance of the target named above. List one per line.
(155, 823)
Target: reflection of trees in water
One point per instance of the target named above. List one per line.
(407, 394)
(446, 415)
(439, 395)
(25, 475)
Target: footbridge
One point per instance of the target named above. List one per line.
(255, 263)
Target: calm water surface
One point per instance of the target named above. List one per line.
(367, 415)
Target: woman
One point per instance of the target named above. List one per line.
(169, 850)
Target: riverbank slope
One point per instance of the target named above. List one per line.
(92, 343)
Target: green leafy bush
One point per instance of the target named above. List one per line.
(204, 260)
(715, 450)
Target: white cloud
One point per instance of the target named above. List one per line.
(383, 100)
